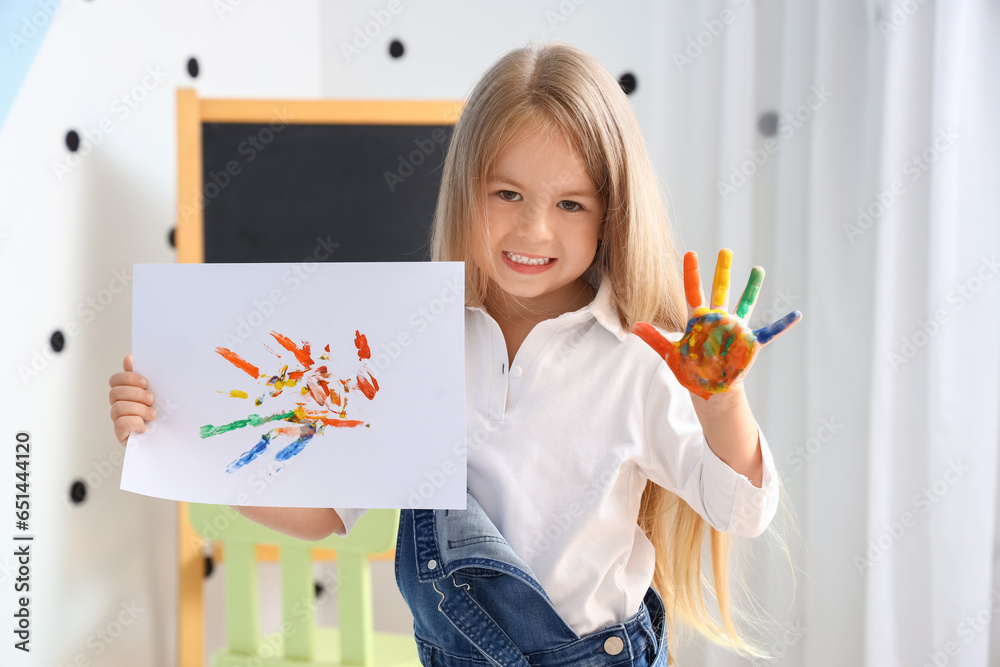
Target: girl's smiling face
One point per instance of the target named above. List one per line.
(544, 219)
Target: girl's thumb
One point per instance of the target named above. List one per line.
(127, 364)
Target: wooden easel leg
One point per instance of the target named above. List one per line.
(191, 608)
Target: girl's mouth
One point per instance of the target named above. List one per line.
(525, 259)
(525, 264)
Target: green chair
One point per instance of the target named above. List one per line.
(301, 642)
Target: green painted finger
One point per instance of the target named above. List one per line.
(749, 297)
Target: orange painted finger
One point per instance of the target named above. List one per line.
(653, 338)
(692, 281)
(720, 286)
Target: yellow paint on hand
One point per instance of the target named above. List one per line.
(720, 286)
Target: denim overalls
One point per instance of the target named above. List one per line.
(475, 602)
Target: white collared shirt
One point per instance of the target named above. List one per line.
(560, 446)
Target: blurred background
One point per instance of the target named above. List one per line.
(848, 146)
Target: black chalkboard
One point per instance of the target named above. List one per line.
(287, 193)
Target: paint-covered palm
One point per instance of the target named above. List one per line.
(718, 347)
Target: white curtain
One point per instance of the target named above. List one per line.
(875, 210)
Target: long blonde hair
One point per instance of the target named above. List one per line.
(557, 86)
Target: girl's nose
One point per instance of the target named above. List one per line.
(534, 223)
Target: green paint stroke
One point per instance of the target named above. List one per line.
(729, 341)
(253, 420)
(713, 343)
(750, 293)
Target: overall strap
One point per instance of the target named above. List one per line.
(470, 619)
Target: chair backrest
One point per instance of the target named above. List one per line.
(374, 533)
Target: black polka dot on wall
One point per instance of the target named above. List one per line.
(627, 82)
(78, 492)
(768, 124)
(58, 341)
(396, 49)
(193, 67)
(209, 566)
(72, 140)
(172, 237)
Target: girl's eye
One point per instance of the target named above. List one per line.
(510, 195)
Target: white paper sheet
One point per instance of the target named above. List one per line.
(402, 447)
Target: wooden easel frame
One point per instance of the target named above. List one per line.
(192, 111)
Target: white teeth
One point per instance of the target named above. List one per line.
(525, 260)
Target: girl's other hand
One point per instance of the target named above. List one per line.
(131, 403)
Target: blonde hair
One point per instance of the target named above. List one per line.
(554, 86)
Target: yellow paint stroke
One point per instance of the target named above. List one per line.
(235, 393)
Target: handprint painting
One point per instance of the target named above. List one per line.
(334, 385)
(323, 403)
(718, 347)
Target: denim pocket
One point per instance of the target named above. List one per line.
(478, 572)
(648, 634)
(424, 652)
(478, 539)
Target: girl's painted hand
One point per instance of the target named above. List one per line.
(717, 348)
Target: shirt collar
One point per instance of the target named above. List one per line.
(602, 308)
(605, 311)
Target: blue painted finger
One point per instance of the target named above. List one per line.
(766, 334)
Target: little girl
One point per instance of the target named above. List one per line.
(595, 464)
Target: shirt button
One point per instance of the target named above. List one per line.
(432, 564)
(516, 371)
(614, 645)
